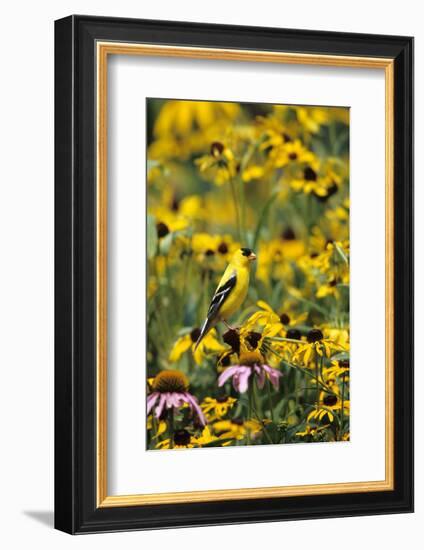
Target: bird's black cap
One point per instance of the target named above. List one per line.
(246, 251)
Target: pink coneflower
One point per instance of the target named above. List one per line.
(170, 390)
(251, 363)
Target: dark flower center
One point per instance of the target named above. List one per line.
(162, 230)
(285, 319)
(232, 338)
(333, 282)
(222, 399)
(217, 148)
(293, 156)
(253, 338)
(330, 400)
(344, 363)
(309, 174)
(294, 334)
(194, 334)
(186, 253)
(286, 138)
(289, 234)
(332, 190)
(209, 252)
(313, 255)
(170, 381)
(182, 437)
(175, 204)
(225, 360)
(223, 248)
(314, 335)
(237, 421)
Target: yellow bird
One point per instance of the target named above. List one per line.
(231, 291)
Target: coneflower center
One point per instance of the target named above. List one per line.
(250, 358)
(170, 381)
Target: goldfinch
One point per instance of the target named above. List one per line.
(231, 291)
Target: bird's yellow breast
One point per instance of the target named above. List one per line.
(237, 295)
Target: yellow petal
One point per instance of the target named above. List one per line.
(307, 355)
(180, 347)
(264, 305)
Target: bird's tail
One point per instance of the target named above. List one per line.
(206, 327)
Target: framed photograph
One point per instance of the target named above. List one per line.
(234, 274)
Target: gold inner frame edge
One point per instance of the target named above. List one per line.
(103, 49)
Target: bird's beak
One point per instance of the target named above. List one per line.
(252, 257)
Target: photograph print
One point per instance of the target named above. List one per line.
(247, 274)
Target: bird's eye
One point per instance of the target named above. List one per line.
(246, 251)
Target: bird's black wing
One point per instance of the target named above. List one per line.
(221, 295)
(218, 299)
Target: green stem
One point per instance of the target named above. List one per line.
(243, 210)
(341, 253)
(317, 379)
(271, 408)
(249, 409)
(342, 411)
(324, 386)
(236, 209)
(171, 427)
(282, 339)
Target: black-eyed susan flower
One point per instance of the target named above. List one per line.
(311, 431)
(291, 152)
(268, 316)
(339, 368)
(220, 165)
(181, 439)
(328, 404)
(329, 288)
(206, 437)
(170, 391)
(340, 336)
(179, 118)
(188, 342)
(315, 344)
(216, 248)
(237, 428)
(217, 407)
(312, 118)
(159, 427)
(251, 365)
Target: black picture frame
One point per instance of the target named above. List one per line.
(75, 275)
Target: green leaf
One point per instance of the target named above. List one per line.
(152, 164)
(218, 442)
(152, 236)
(165, 243)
